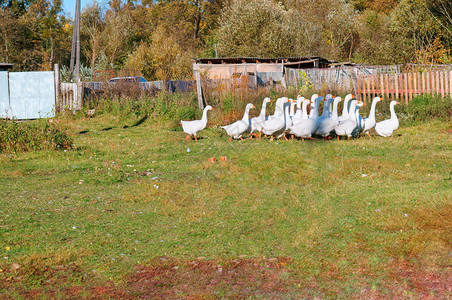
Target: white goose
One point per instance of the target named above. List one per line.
(193, 127)
(369, 122)
(236, 129)
(347, 127)
(292, 108)
(279, 108)
(287, 125)
(330, 99)
(345, 108)
(256, 122)
(327, 124)
(313, 98)
(276, 125)
(386, 128)
(306, 127)
(326, 107)
(301, 109)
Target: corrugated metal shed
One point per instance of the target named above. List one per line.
(259, 71)
(305, 62)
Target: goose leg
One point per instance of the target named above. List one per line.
(195, 137)
(368, 134)
(230, 139)
(271, 138)
(187, 137)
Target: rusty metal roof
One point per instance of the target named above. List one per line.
(284, 60)
(5, 66)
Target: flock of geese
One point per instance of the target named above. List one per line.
(292, 117)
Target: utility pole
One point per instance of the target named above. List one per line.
(75, 49)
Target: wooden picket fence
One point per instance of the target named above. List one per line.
(367, 82)
(403, 86)
(70, 98)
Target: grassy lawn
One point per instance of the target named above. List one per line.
(136, 211)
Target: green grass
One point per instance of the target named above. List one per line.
(348, 214)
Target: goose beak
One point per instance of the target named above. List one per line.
(212, 108)
(397, 103)
(353, 96)
(253, 106)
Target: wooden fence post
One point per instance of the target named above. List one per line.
(199, 90)
(80, 91)
(441, 82)
(57, 87)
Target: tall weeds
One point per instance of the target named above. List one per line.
(25, 136)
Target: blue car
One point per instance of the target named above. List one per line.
(133, 79)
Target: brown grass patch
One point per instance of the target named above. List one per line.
(206, 279)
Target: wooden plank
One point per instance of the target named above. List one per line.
(368, 86)
(397, 78)
(405, 89)
(415, 83)
(428, 83)
(450, 83)
(423, 82)
(437, 82)
(381, 89)
(386, 85)
(391, 85)
(357, 86)
(446, 82)
(419, 80)
(441, 81)
(410, 85)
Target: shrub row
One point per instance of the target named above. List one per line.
(25, 136)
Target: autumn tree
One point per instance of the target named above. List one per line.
(92, 25)
(256, 28)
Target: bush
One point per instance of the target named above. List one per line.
(186, 113)
(25, 136)
(428, 107)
